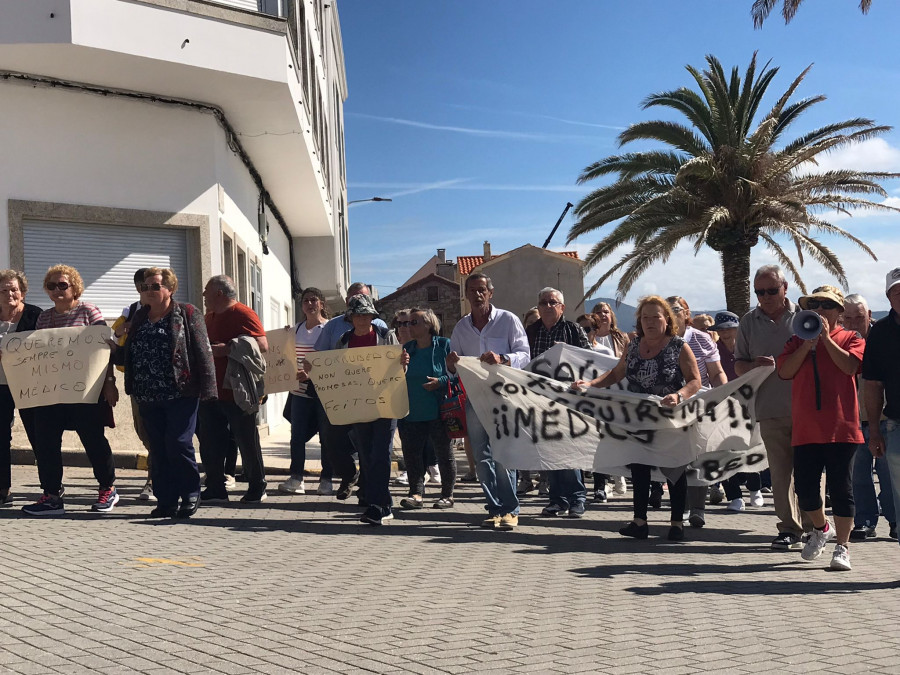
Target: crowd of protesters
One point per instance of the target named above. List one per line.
(828, 416)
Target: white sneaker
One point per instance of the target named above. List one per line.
(402, 479)
(736, 505)
(817, 541)
(325, 488)
(619, 486)
(292, 486)
(147, 493)
(840, 559)
(756, 498)
(230, 482)
(434, 474)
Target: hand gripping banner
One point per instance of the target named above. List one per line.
(536, 422)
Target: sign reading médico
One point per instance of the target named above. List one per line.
(56, 365)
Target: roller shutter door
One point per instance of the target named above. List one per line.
(106, 256)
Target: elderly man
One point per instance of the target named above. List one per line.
(496, 337)
(336, 440)
(567, 491)
(858, 317)
(881, 371)
(226, 319)
(762, 335)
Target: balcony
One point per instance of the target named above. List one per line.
(242, 62)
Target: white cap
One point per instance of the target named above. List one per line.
(891, 280)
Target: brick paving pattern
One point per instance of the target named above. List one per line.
(298, 585)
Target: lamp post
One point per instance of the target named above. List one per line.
(370, 199)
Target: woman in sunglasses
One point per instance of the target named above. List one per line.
(15, 316)
(825, 414)
(426, 382)
(64, 286)
(168, 370)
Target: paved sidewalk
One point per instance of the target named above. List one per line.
(298, 585)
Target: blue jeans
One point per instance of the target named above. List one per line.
(497, 482)
(373, 440)
(566, 487)
(170, 431)
(306, 421)
(864, 487)
(892, 457)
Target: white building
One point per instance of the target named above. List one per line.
(202, 136)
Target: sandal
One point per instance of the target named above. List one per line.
(411, 503)
(443, 503)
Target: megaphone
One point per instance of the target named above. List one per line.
(806, 325)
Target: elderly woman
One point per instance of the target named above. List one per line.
(307, 413)
(169, 370)
(657, 362)
(64, 286)
(426, 381)
(711, 375)
(825, 414)
(15, 316)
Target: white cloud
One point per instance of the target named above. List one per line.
(875, 154)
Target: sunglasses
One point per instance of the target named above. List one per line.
(415, 322)
(150, 287)
(766, 291)
(824, 304)
(403, 324)
(549, 303)
(61, 285)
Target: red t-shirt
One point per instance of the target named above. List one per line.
(235, 321)
(370, 340)
(838, 420)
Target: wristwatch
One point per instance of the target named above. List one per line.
(504, 360)
(680, 396)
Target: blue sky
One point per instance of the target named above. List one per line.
(476, 118)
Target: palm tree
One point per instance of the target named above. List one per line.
(762, 8)
(723, 183)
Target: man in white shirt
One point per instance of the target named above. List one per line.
(496, 337)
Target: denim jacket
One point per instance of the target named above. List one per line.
(192, 361)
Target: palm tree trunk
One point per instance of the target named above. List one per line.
(736, 277)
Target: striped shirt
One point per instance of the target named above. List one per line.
(705, 350)
(304, 344)
(82, 314)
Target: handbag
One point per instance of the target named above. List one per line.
(453, 409)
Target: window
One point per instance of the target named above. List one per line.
(227, 255)
(432, 293)
(241, 279)
(256, 287)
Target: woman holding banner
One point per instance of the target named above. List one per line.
(426, 382)
(64, 286)
(15, 316)
(657, 362)
(168, 370)
(305, 407)
(374, 438)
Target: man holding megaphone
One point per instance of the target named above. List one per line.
(822, 359)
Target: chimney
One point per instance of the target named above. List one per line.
(442, 254)
(487, 251)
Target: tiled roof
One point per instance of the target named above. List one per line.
(466, 263)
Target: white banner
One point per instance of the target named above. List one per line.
(56, 365)
(538, 423)
(281, 361)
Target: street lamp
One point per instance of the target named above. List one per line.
(370, 199)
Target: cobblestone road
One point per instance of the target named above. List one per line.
(298, 585)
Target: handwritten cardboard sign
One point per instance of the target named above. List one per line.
(536, 422)
(56, 365)
(360, 384)
(281, 361)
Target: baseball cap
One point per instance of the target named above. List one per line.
(726, 320)
(891, 280)
(361, 304)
